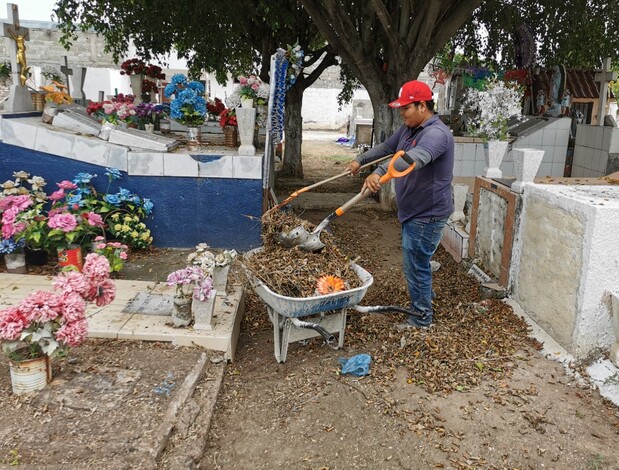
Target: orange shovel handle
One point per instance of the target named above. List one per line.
(391, 171)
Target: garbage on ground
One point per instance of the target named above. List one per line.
(358, 365)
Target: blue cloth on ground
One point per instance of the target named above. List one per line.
(358, 365)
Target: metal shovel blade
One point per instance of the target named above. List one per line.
(294, 237)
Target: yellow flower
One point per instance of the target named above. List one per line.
(135, 234)
(118, 227)
(127, 218)
(144, 235)
(125, 228)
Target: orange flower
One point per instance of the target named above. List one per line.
(329, 284)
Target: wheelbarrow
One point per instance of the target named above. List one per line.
(286, 312)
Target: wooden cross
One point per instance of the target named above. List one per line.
(604, 77)
(66, 71)
(16, 45)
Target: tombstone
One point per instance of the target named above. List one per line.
(604, 76)
(141, 140)
(77, 123)
(15, 38)
(79, 75)
(67, 72)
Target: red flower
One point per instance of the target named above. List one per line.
(227, 118)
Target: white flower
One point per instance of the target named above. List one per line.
(493, 107)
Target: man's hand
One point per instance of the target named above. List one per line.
(371, 182)
(353, 167)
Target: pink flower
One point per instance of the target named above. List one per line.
(74, 308)
(96, 268)
(99, 238)
(242, 80)
(100, 246)
(93, 219)
(71, 282)
(65, 222)
(123, 255)
(102, 293)
(12, 323)
(41, 306)
(57, 210)
(57, 195)
(66, 185)
(74, 333)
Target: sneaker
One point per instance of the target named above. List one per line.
(413, 321)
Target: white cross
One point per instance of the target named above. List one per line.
(604, 76)
(64, 69)
(16, 37)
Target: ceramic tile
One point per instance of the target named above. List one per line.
(507, 168)
(180, 164)
(557, 169)
(217, 167)
(92, 151)
(468, 152)
(549, 136)
(55, 143)
(468, 168)
(536, 138)
(545, 169)
(106, 324)
(563, 137)
(458, 168)
(117, 157)
(247, 167)
(480, 152)
(479, 168)
(145, 164)
(613, 146)
(19, 133)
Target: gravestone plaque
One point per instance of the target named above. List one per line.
(150, 304)
(77, 123)
(142, 140)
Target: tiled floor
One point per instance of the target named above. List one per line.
(111, 322)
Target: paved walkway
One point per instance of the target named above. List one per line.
(117, 321)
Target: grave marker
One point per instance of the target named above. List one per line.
(15, 37)
(604, 76)
(67, 72)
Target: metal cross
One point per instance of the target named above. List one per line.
(16, 44)
(604, 77)
(66, 71)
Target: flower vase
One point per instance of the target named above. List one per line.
(106, 130)
(36, 256)
(150, 128)
(247, 102)
(136, 87)
(181, 311)
(70, 257)
(193, 136)
(165, 126)
(49, 111)
(220, 277)
(202, 311)
(231, 136)
(494, 151)
(30, 375)
(16, 263)
(246, 119)
(526, 164)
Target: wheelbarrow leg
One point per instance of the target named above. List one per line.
(277, 320)
(340, 342)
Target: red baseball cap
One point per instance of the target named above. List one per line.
(412, 92)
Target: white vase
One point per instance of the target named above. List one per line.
(49, 111)
(526, 164)
(193, 141)
(246, 119)
(203, 312)
(150, 128)
(220, 277)
(181, 311)
(494, 151)
(247, 102)
(106, 129)
(136, 87)
(16, 263)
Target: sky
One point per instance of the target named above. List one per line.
(37, 10)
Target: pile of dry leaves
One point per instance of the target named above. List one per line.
(293, 272)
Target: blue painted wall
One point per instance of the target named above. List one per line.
(225, 213)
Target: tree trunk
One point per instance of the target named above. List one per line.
(293, 138)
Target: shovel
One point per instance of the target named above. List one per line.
(298, 192)
(311, 241)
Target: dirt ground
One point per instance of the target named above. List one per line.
(473, 392)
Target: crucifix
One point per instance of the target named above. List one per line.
(66, 71)
(17, 47)
(604, 77)
(15, 37)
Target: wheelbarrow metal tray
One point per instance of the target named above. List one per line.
(297, 307)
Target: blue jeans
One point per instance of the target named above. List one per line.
(419, 242)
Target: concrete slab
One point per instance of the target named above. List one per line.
(111, 322)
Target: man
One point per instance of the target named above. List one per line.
(423, 197)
